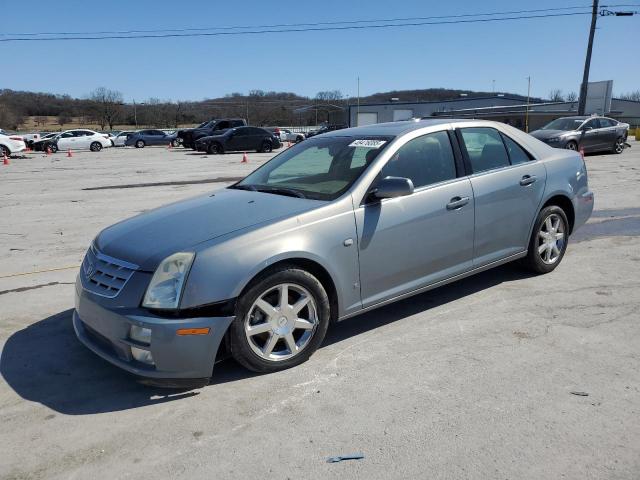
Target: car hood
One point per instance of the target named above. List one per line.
(544, 134)
(147, 239)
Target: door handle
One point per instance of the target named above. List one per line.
(527, 180)
(457, 202)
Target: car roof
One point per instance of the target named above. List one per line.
(394, 128)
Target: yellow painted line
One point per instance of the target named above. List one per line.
(39, 271)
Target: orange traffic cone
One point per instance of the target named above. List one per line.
(582, 152)
(245, 159)
(169, 146)
(6, 160)
(48, 151)
(69, 153)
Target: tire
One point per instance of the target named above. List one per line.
(52, 146)
(4, 151)
(571, 145)
(140, 144)
(95, 147)
(214, 149)
(266, 147)
(269, 338)
(175, 143)
(546, 246)
(618, 146)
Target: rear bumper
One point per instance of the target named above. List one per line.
(176, 358)
(584, 208)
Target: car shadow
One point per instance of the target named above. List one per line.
(45, 363)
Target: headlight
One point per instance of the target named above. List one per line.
(165, 288)
(554, 139)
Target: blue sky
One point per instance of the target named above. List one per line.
(467, 56)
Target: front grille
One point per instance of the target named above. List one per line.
(104, 275)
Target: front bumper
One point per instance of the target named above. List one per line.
(201, 147)
(177, 358)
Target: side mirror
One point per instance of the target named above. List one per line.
(392, 187)
(586, 129)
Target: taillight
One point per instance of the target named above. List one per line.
(277, 131)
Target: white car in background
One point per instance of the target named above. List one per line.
(10, 144)
(80, 140)
(118, 140)
(287, 135)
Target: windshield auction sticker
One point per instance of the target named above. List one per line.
(367, 143)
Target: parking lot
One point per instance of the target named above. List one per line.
(471, 380)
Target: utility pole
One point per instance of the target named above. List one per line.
(135, 113)
(358, 109)
(587, 62)
(526, 118)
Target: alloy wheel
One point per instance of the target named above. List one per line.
(551, 239)
(572, 146)
(281, 322)
(619, 147)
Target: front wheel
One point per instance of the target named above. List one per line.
(175, 143)
(52, 147)
(95, 147)
(4, 151)
(571, 146)
(140, 144)
(618, 147)
(266, 147)
(548, 241)
(214, 149)
(280, 320)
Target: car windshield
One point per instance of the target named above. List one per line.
(564, 124)
(318, 168)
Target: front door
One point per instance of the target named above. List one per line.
(508, 184)
(409, 242)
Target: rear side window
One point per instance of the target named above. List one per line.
(424, 160)
(516, 153)
(485, 148)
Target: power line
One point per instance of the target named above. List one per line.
(292, 30)
(315, 24)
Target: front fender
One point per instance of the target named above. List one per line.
(224, 266)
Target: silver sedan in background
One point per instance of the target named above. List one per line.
(332, 227)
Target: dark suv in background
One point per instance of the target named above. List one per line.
(238, 139)
(591, 134)
(189, 136)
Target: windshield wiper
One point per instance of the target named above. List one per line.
(280, 191)
(251, 188)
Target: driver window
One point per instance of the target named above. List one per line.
(424, 160)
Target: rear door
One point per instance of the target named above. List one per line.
(608, 132)
(508, 184)
(240, 140)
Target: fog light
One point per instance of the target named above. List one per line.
(140, 334)
(143, 356)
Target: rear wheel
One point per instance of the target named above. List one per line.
(280, 320)
(140, 144)
(618, 147)
(52, 147)
(548, 241)
(571, 146)
(95, 147)
(4, 151)
(175, 143)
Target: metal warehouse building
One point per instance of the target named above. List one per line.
(500, 108)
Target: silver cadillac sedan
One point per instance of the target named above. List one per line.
(330, 228)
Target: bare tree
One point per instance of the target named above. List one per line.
(108, 105)
(571, 97)
(40, 120)
(556, 95)
(635, 96)
(64, 118)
